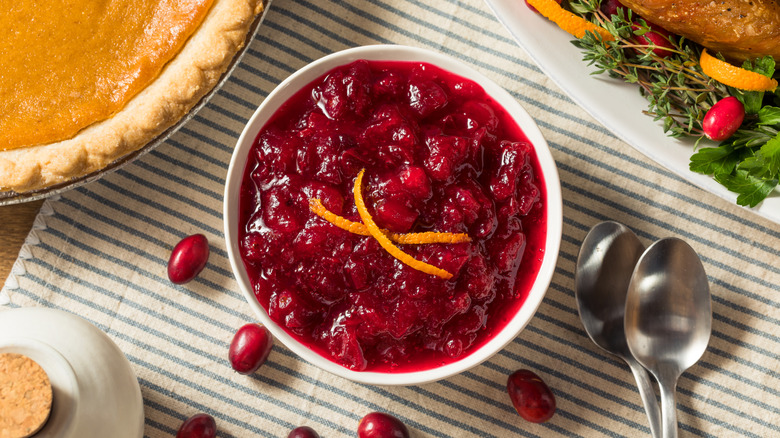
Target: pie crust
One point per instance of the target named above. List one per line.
(182, 83)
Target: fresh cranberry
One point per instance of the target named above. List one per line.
(250, 348)
(303, 432)
(723, 119)
(381, 425)
(198, 426)
(530, 396)
(188, 258)
(658, 37)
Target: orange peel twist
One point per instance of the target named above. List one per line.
(734, 76)
(571, 23)
(385, 242)
(316, 206)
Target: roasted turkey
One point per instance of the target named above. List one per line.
(739, 29)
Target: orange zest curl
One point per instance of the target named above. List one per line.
(734, 76)
(428, 237)
(316, 206)
(568, 21)
(385, 242)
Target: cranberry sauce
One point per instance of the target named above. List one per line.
(440, 155)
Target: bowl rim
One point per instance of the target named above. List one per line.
(389, 52)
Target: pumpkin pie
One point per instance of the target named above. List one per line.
(86, 82)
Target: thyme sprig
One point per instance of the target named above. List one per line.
(679, 94)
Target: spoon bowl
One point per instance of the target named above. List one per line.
(668, 317)
(604, 266)
(605, 263)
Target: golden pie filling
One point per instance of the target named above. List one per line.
(82, 61)
(85, 83)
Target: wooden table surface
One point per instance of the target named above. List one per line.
(15, 223)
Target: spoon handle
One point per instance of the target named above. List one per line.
(668, 405)
(648, 396)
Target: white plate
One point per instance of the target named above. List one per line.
(616, 105)
(96, 393)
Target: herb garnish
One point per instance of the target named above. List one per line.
(680, 94)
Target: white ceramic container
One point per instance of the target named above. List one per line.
(395, 53)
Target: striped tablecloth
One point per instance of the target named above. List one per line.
(100, 251)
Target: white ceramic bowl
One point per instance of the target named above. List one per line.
(303, 77)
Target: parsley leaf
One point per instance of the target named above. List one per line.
(750, 189)
(719, 160)
(769, 115)
(771, 153)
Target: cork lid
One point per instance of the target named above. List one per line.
(25, 396)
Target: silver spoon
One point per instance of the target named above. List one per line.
(604, 265)
(668, 317)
